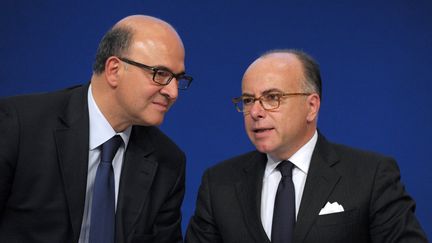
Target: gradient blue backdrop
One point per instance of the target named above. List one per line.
(375, 60)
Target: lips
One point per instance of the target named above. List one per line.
(162, 104)
(262, 130)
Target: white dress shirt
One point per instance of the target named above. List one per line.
(100, 132)
(301, 159)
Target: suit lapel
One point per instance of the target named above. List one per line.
(138, 172)
(249, 195)
(320, 182)
(72, 141)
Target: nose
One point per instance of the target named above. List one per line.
(257, 111)
(170, 90)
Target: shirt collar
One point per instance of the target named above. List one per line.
(100, 129)
(301, 159)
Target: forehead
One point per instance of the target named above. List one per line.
(158, 45)
(280, 71)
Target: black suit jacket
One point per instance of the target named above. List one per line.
(367, 185)
(44, 145)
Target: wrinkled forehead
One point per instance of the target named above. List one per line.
(281, 72)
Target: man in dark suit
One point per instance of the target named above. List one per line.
(297, 186)
(50, 147)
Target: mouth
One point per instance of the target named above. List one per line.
(163, 105)
(262, 130)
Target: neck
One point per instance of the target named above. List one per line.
(105, 100)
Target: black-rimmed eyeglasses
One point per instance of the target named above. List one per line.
(162, 75)
(268, 101)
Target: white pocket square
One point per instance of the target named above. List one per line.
(331, 208)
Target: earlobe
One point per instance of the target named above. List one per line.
(314, 103)
(112, 71)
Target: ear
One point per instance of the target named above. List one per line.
(112, 71)
(313, 103)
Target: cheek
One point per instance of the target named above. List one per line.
(248, 122)
(247, 126)
(139, 96)
(292, 129)
(131, 100)
(129, 97)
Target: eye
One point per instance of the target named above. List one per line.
(162, 73)
(272, 97)
(247, 100)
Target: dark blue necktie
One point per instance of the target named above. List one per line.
(284, 207)
(102, 221)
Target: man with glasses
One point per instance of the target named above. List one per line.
(297, 186)
(88, 164)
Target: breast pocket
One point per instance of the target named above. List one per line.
(337, 227)
(346, 217)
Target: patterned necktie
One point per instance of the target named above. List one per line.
(284, 207)
(102, 221)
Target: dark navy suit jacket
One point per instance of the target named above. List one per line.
(44, 144)
(376, 205)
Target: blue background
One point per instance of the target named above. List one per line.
(375, 61)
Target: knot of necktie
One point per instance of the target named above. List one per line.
(109, 148)
(285, 167)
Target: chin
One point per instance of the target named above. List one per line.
(263, 148)
(150, 122)
(157, 123)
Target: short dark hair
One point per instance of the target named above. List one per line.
(311, 68)
(114, 43)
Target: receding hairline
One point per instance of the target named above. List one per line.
(309, 67)
(133, 22)
(279, 57)
(285, 56)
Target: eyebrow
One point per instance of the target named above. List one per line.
(267, 91)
